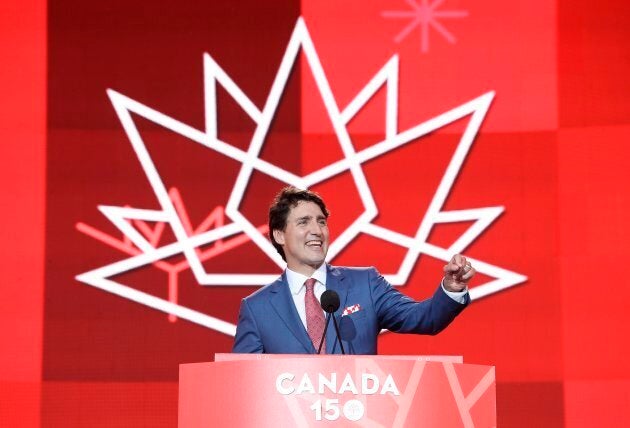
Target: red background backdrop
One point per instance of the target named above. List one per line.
(552, 150)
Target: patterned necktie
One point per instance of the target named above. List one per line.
(314, 315)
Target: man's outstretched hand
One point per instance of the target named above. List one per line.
(457, 273)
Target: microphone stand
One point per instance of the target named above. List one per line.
(319, 350)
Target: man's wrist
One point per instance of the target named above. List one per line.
(458, 296)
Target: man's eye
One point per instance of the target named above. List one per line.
(323, 222)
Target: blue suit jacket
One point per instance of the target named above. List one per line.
(269, 322)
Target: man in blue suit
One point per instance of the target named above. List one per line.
(281, 317)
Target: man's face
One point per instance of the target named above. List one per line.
(305, 238)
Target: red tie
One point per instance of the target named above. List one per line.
(314, 315)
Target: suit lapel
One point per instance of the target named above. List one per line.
(282, 302)
(336, 281)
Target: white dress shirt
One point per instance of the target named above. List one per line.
(298, 289)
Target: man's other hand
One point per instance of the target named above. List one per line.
(457, 273)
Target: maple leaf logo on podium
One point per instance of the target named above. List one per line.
(141, 242)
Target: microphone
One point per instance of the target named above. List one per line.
(330, 303)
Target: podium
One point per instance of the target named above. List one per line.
(259, 390)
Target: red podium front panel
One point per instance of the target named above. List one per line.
(337, 390)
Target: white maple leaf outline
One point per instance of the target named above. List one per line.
(213, 73)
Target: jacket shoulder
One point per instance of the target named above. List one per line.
(264, 292)
(353, 270)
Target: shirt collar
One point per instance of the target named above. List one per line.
(296, 280)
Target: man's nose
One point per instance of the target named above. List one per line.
(315, 228)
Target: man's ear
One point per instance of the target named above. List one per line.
(278, 235)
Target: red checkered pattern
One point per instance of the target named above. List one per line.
(351, 309)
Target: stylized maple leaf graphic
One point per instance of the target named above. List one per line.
(139, 237)
(145, 252)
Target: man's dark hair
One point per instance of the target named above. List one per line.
(284, 201)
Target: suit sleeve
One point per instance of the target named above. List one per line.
(400, 313)
(247, 340)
